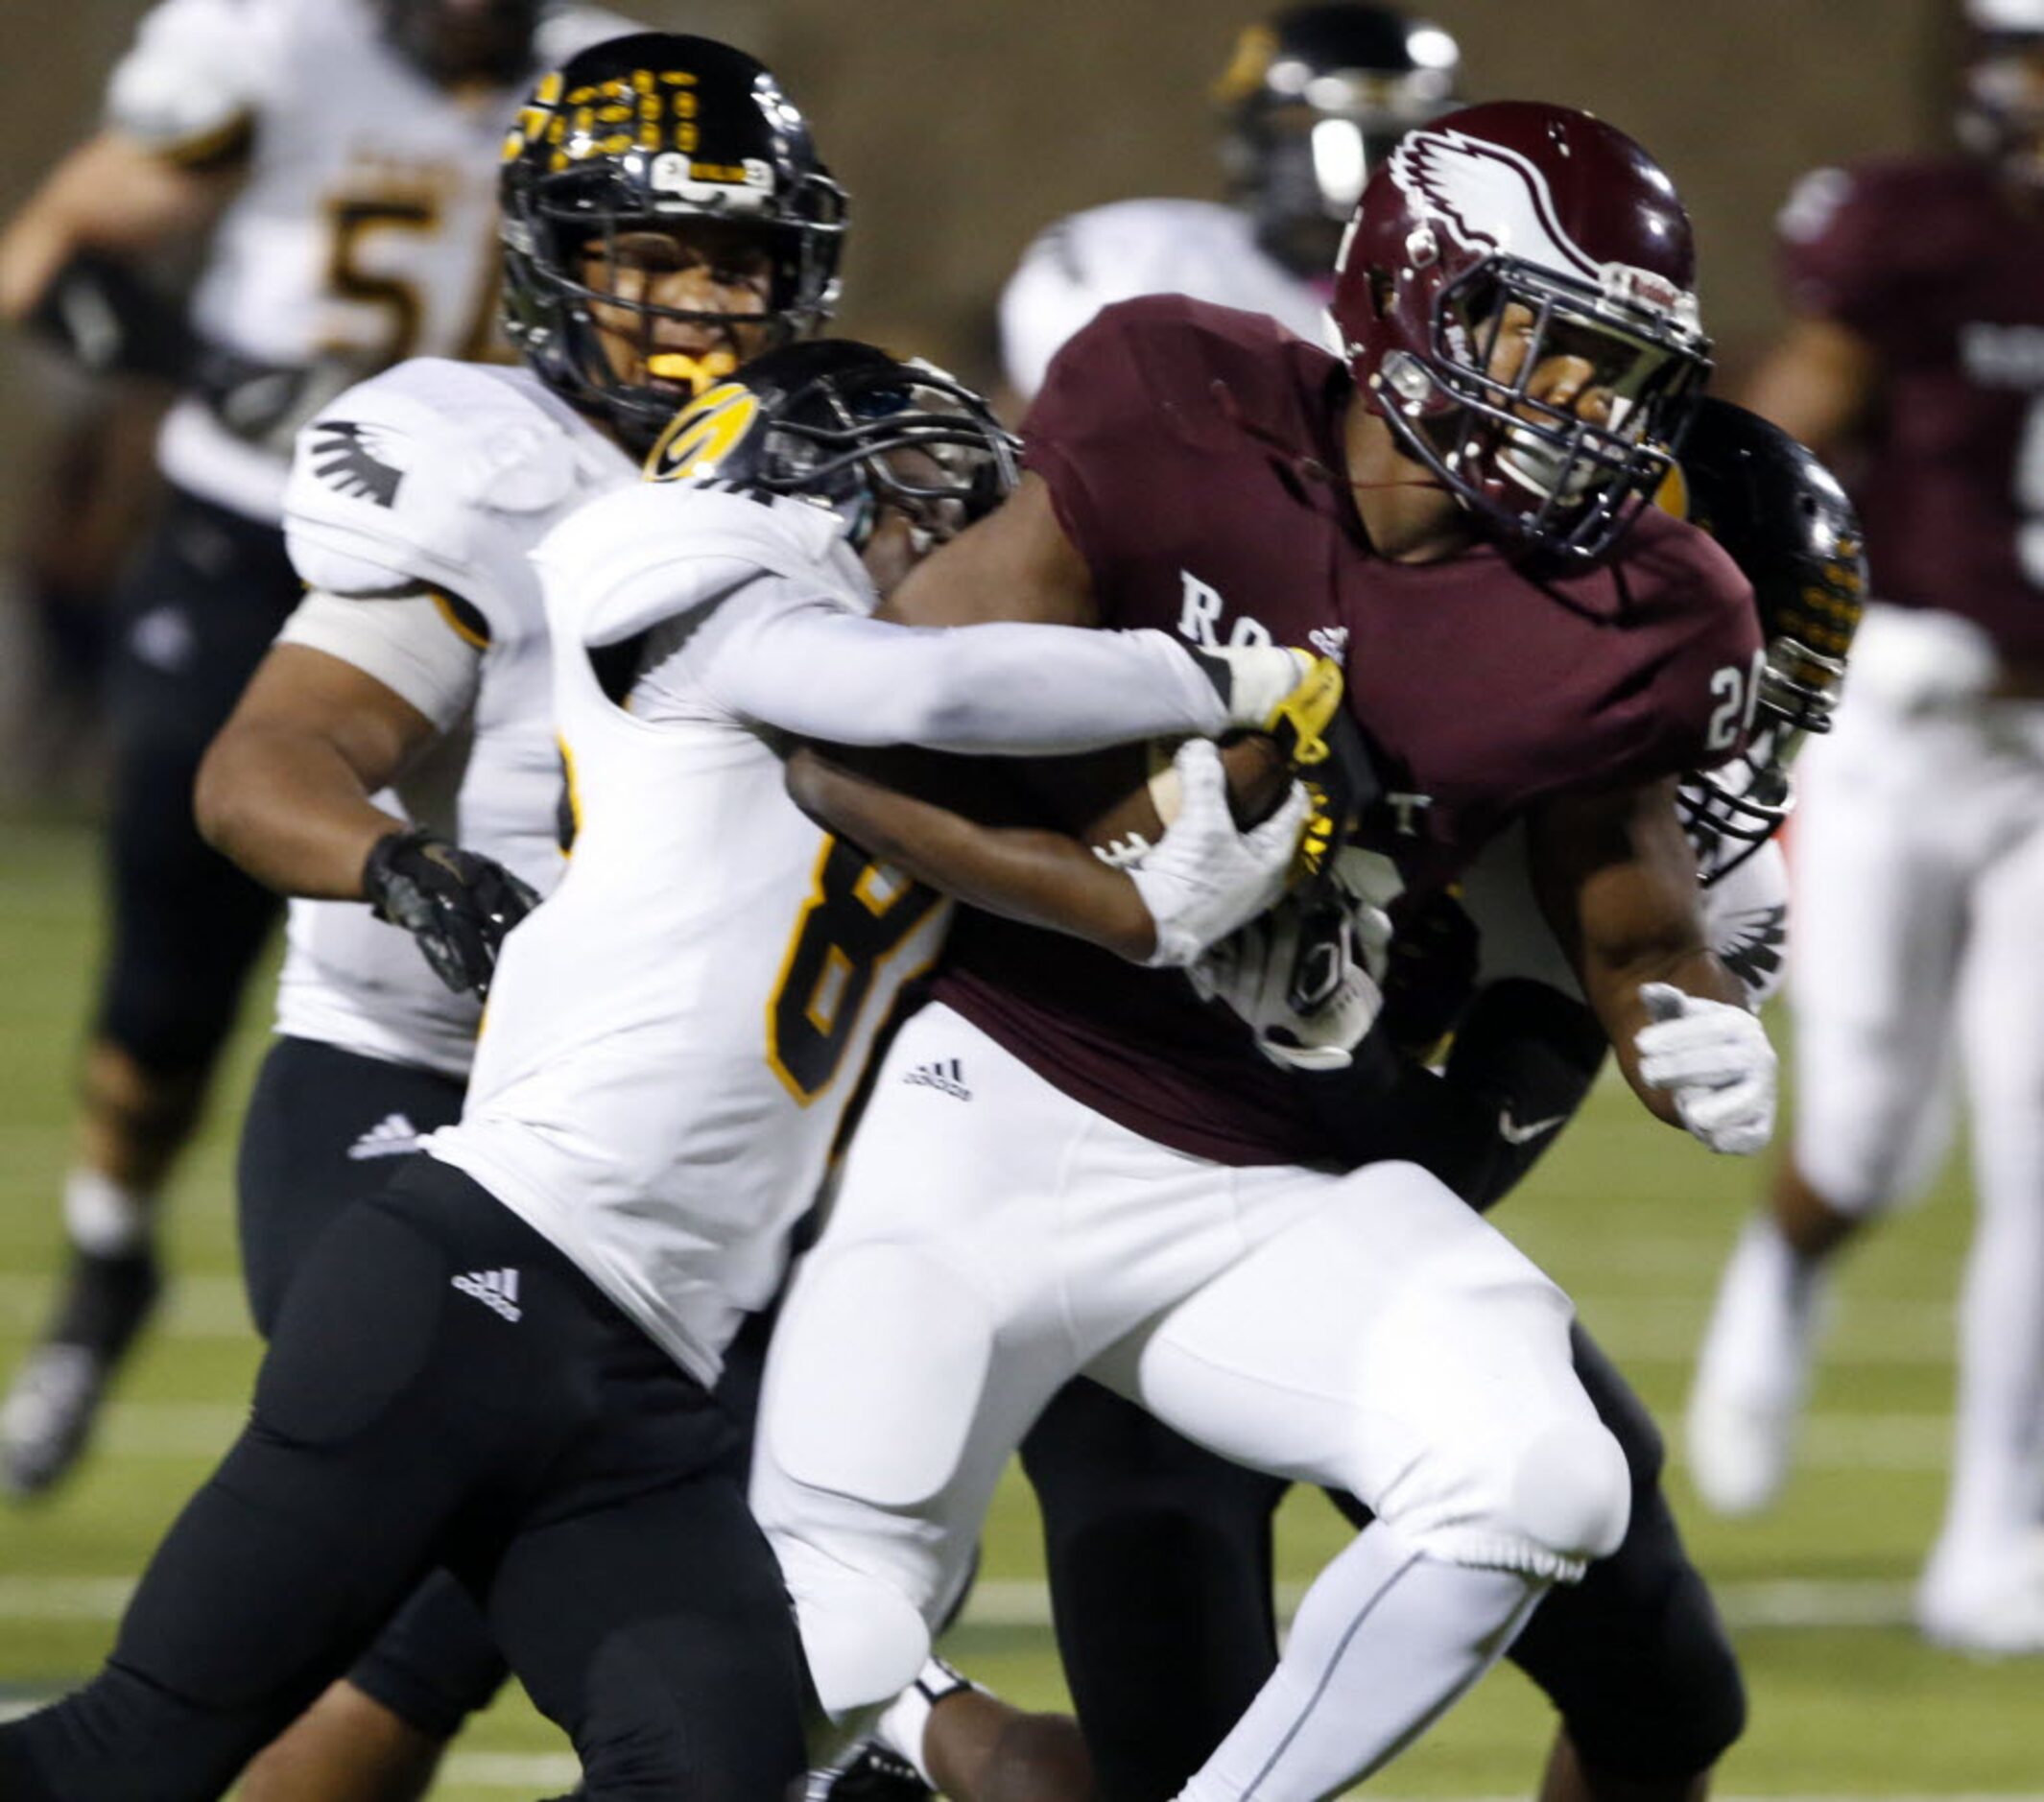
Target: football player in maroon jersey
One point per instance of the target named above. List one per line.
(1918, 352)
(1109, 1179)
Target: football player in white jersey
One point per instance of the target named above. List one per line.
(1315, 96)
(336, 156)
(503, 1362)
(419, 654)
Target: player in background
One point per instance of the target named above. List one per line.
(337, 157)
(1109, 1180)
(1313, 100)
(1917, 360)
(503, 1361)
(397, 745)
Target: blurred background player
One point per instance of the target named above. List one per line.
(1313, 100)
(339, 155)
(1916, 361)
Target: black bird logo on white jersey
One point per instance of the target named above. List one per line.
(363, 461)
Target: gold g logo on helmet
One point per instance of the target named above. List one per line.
(705, 435)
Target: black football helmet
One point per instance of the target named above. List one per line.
(2001, 106)
(649, 133)
(1787, 523)
(846, 425)
(453, 42)
(1315, 96)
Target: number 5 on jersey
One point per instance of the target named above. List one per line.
(859, 912)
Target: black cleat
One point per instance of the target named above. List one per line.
(871, 1775)
(50, 1412)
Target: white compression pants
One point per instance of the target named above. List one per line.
(1918, 885)
(993, 1238)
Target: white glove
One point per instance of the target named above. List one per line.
(1206, 876)
(1714, 1060)
(1255, 680)
(1305, 984)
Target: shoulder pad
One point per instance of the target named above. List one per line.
(414, 469)
(195, 69)
(644, 554)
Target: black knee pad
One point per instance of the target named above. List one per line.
(1636, 1659)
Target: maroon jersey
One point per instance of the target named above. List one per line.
(1191, 453)
(1925, 258)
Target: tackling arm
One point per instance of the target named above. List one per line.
(1617, 881)
(1038, 877)
(1203, 879)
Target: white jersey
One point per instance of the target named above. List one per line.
(440, 476)
(1745, 920)
(364, 230)
(674, 1038)
(1130, 247)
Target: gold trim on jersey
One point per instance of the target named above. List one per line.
(452, 610)
(228, 142)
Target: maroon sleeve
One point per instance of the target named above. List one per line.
(1838, 247)
(1092, 420)
(1694, 706)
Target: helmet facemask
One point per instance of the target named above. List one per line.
(651, 140)
(571, 225)
(868, 439)
(1730, 812)
(1477, 411)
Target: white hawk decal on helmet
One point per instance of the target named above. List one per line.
(1488, 198)
(1493, 199)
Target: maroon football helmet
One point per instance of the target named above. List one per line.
(1489, 244)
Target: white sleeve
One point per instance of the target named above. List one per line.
(192, 77)
(813, 668)
(1746, 915)
(409, 645)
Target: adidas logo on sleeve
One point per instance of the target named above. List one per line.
(497, 1290)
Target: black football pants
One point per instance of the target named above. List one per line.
(517, 1430)
(193, 620)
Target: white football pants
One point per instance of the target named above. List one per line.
(1919, 884)
(993, 1237)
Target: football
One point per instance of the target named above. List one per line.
(1120, 801)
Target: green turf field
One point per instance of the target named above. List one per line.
(1631, 1218)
